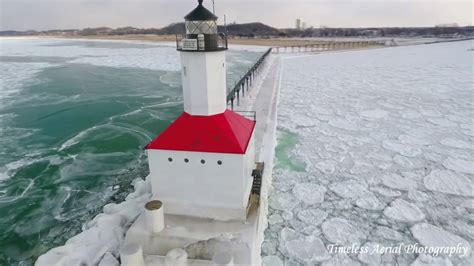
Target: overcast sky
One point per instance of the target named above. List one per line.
(63, 14)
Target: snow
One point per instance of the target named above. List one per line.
(404, 211)
(433, 236)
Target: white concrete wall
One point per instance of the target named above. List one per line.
(204, 82)
(204, 190)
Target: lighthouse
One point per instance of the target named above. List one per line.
(201, 165)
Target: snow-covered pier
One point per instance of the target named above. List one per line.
(329, 46)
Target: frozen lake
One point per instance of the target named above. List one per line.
(375, 150)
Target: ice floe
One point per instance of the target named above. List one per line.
(313, 216)
(404, 211)
(401, 148)
(396, 181)
(271, 261)
(309, 193)
(456, 143)
(435, 237)
(388, 233)
(376, 113)
(283, 201)
(340, 231)
(459, 165)
(372, 256)
(449, 182)
(349, 189)
(370, 203)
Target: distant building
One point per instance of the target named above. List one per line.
(298, 24)
(303, 25)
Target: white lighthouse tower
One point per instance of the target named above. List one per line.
(201, 165)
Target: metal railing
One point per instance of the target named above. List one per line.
(246, 81)
(327, 46)
(210, 42)
(252, 115)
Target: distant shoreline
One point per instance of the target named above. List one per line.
(257, 41)
(172, 38)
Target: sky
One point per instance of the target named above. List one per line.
(77, 14)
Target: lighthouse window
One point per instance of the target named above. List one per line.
(219, 162)
(186, 160)
(184, 71)
(203, 161)
(201, 27)
(170, 159)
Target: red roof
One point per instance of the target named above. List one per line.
(222, 133)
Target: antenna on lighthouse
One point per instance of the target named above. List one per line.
(213, 9)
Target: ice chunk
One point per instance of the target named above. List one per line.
(361, 167)
(372, 256)
(271, 261)
(287, 215)
(312, 216)
(442, 122)
(395, 181)
(404, 211)
(269, 247)
(309, 193)
(343, 124)
(375, 113)
(407, 139)
(327, 166)
(386, 192)
(456, 143)
(309, 250)
(340, 259)
(449, 182)
(340, 231)
(403, 149)
(275, 219)
(388, 233)
(417, 195)
(109, 260)
(283, 201)
(370, 203)
(459, 165)
(427, 260)
(349, 189)
(432, 236)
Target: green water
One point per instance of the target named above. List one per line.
(284, 159)
(72, 141)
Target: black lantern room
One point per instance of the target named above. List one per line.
(201, 31)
